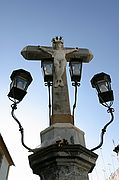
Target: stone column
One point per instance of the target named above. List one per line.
(61, 112)
(62, 161)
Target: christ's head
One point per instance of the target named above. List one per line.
(57, 43)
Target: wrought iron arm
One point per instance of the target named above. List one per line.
(75, 84)
(110, 110)
(14, 107)
(49, 105)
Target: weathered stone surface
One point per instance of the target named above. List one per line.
(59, 131)
(35, 53)
(61, 118)
(65, 162)
(60, 98)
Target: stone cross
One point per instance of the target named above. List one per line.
(60, 55)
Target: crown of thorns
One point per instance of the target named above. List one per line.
(57, 39)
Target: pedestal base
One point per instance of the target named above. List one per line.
(59, 131)
(63, 162)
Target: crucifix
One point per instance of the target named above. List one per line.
(60, 55)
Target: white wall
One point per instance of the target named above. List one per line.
(4, 169)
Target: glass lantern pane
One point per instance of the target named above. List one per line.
(21, 83)
(76, 69)
(48, 69)
(103, 86)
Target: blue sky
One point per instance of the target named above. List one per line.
(89, 24)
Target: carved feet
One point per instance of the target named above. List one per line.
(58, 82)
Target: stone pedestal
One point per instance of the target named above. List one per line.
(59, 131)
(62, 162)
(62, 155)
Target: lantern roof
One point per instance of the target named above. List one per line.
(99, 77)
(22, 73)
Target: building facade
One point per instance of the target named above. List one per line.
(115, 175)
(5, 160)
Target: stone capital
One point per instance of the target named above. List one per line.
(63, 162)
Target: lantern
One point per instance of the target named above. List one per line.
(47, 69)
(75, 69)
(21, 79)
(102, 83)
